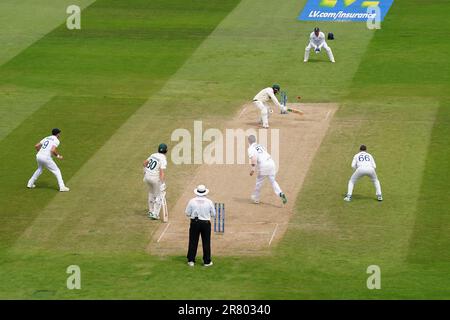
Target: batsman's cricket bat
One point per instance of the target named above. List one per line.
(299, 112)
(164, 207)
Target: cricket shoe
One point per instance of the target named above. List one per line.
(64, 189)
(208, 264)
(191, 264)
(254, 199)
(283, 197)
(153, 216)
(31, 186)
(348, 198)
(379, 198)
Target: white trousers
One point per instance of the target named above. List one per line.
(266, 171)
(264, 110)
(361, 172)
(154, 193)
(44, 162)
(325, 46)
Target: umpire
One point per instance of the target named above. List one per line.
(200, 210)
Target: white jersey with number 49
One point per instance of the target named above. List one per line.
(46, 146)
(156, 162)
(363, 159)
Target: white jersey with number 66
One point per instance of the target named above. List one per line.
(156, 162)
(363, 159)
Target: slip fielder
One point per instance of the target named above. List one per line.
(364, 165)
(317, 42)
(154, 176)
(260, 159)
(46, 148)
(261, 100)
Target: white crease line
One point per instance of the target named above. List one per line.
(273, 234)
(242, 112)
(162, 234)
(328, 114)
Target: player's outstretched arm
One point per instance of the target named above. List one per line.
(275, 100)
(38, 146)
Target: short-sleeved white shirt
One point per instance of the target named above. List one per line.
(363, 159)
(260, 152)
(317, 40)
(47, 145)
(156, 162)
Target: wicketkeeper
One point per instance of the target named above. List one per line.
(317, 42)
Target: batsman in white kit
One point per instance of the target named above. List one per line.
(154, 177)
(317, 42)
(260, 159)
(261, 100)
(364, 165)
(46, 148)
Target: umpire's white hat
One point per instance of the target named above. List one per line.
(201, 190)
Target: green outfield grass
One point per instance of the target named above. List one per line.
(139, 69)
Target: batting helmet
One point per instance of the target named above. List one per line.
(276, 87)
(162, 148)
(330, 36)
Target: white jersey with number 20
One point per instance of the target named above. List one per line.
(156, 162)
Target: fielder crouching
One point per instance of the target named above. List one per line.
(317, 42)
(364, 165)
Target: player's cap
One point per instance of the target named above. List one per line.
(276, 87)
(316, 29)
(55, 131)
(162, 148)
(362, 148)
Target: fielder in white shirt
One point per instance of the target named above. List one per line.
(154, 177)
(47, 148)
(364, 165)
(261, 100)
(260, 159)
(317, 42)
